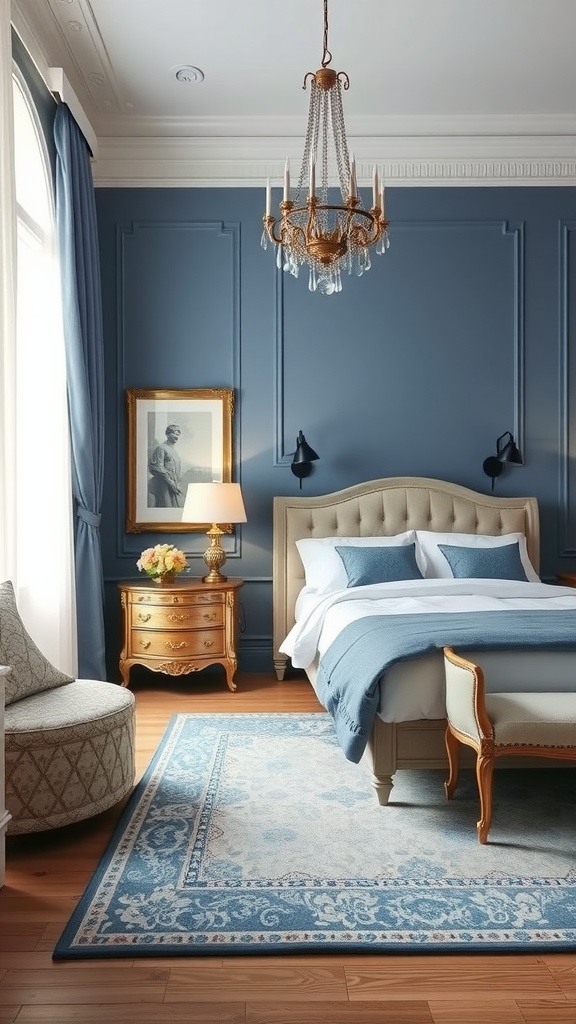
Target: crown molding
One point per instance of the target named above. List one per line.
(224, 152)
(122, 125)
(248, 162)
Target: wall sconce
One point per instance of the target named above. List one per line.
(506, 452)
(303, 458)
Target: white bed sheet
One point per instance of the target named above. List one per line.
(414, 690)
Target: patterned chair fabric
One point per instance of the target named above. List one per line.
(69, 754)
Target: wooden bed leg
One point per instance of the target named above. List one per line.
(280, 667)
(383, 784)
(381, 752)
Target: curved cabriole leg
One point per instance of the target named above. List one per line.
(484, 775)
(453, 751)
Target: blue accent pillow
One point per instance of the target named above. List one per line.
(368, 565)
(498, 563)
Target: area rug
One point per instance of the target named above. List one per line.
(251, 833)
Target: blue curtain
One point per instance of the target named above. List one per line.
(82, 308)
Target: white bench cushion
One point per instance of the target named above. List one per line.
(533, 719)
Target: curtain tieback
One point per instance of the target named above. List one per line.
(92, 518)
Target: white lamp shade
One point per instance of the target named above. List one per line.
(214, 503)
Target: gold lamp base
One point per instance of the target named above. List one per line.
(214, 556)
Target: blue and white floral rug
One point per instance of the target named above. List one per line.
(251, 833)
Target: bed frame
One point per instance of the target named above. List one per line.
(383, 508)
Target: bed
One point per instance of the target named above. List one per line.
(408, 730)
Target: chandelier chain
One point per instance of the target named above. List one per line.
(339, 129)
(311, 141)
(324, 120)
(327, 56)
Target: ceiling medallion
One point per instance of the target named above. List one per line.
(188, 74)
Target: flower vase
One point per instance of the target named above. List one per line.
(165, 577)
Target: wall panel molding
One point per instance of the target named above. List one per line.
(566, 405)
(130, 545)
(516, 232)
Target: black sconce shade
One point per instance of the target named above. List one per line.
(303, 458)
(507, 452)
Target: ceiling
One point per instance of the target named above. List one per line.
(441, 91)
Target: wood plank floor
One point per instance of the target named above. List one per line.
(47, 873)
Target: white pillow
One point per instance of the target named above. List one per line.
(323, 567)
(437, 566)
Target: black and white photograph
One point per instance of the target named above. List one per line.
(174, 438)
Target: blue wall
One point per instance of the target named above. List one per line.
(463, 330)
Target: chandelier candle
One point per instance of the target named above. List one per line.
(328, 237)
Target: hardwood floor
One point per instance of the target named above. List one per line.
(47, 873)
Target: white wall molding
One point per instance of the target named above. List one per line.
(423, 161)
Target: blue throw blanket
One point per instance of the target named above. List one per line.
(349, 673)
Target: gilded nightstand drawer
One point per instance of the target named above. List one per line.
(177, 644)
(182, 598)
(177, 616)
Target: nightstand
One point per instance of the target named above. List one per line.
(566, 579)
(179, 627)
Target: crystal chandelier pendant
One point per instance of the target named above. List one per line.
(328, 237)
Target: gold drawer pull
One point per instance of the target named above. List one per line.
(145, 644)
(210, 616)
(209, 643)
(178, 618)
(176, 646)
(143, 617)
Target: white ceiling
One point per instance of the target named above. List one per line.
(441, 91)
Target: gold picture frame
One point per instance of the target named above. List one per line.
(174, 438)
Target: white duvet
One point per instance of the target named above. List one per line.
(321, 617)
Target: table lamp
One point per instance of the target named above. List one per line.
(214, 503)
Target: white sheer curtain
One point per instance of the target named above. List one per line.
(7, 303)
(37, 542)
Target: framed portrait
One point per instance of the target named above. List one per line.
(174, 438)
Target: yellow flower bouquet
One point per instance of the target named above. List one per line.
(162, 562)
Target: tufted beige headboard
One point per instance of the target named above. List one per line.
(380, 508)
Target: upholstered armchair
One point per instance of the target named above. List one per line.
(69, 743)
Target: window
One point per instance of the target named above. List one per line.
(42, 475)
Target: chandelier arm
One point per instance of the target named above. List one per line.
(269, 224)
(364, 235)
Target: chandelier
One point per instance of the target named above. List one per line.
(331, 239)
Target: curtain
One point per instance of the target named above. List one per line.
(36, 549)
(82, 312)
(7, 304)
